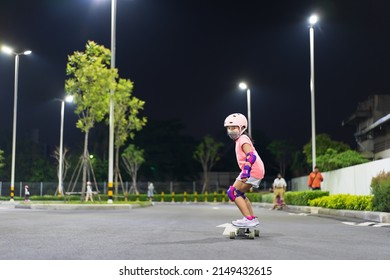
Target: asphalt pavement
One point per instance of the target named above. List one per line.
(381, 217)
(168, 231)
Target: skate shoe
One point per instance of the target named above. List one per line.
(256, 220)
(244, 222)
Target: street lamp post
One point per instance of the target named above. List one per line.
(312, 21)
(244, 86)
(68, 98)
(10, 51)
(111, 117)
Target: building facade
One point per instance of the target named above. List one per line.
(372, 122)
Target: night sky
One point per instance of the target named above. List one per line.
(186, 58)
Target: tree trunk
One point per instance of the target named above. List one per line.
(134, 177)
(85, 166)
(116, 173)
(205, 180)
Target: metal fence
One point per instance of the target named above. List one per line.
(50, 188)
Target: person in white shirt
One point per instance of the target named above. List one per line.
(279, 187)
(26, 193)
(89, 192)
(150, 191)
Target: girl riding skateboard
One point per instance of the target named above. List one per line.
(251, 166)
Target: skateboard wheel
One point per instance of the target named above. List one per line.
(232, 235)
(257, 232)
(251, 235)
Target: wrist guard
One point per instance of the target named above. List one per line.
(246, 172)
(251, 158)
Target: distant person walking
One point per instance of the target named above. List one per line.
(315, 179)
(88, 196)
(150, 191)
(26, 193)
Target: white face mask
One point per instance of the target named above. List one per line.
(233, 134)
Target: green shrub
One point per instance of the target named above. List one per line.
(303, 198)
(380, 188)
(296, 198)
(267, 198)
(254, 197)
(359, 202)
(344, 201)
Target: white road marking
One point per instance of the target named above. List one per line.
(382, 225)
(367, 224)
(228, 228)
(363, 224)
(299, 214)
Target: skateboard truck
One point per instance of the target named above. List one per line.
(249, 232)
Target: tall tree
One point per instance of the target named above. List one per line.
(33, 164)
(1, 159)
(334, 160)
(90, 81)
(207, 153)
(168, 152)
(323, 143)
(65, 164)
(126, 120)
(133, 158)
(282, 150)
(332, 154)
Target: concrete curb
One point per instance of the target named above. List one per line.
(380, 217)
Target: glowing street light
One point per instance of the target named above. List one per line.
(10, 51)
(244, 86)
(69, 99)
(111, 112)
(111, 116)
(312, 21)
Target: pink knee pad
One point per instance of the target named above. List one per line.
(233, 193)
(230, 193)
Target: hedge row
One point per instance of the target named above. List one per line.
(344, 201)
(171, 197)
(187, 197)
(323, 199)
(306, 198)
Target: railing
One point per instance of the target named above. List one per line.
(50, 188)
(382, 146)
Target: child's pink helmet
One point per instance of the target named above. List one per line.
(237, 119)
